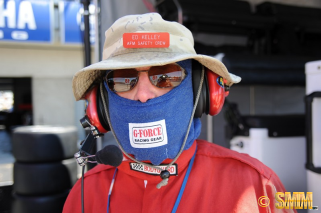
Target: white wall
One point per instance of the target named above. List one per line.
(53, 101)
(51, 68)
(40, 62)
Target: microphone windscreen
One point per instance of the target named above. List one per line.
(110, 155)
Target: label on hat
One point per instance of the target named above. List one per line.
(148, 135)
(146, 40)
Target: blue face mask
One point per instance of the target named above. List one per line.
(155, 130)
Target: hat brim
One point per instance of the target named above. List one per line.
(92, 74)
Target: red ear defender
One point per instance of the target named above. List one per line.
(95, 113)
(217, 92)
(213, 91)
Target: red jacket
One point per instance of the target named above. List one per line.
(221, 180)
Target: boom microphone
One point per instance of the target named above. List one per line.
(109, 155)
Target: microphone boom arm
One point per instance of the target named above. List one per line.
(85, 149)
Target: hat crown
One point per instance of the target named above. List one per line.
(150, 22)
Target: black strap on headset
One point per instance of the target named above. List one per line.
(100, 108)
(203, 102)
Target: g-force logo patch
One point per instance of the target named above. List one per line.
(148, 135)
(153, 171)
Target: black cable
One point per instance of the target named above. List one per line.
(82, 189)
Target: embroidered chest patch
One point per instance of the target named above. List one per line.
(153, 171)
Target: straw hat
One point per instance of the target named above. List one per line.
(145, 40)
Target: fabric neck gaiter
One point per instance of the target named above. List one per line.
(155, 130)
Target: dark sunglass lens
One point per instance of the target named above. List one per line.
(121, 80)
(170, 75)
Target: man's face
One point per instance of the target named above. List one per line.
(144, 89)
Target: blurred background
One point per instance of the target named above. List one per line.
(273, 45)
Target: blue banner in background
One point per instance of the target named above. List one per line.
(27, 21)
(72, 22)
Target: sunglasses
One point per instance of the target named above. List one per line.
(167, 76)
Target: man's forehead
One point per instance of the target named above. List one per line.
(142, 68)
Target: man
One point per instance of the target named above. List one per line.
(154, 125)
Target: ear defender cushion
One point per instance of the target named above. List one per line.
(101, 109)
(202, 105)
